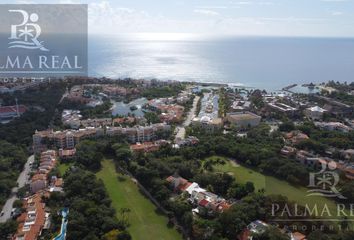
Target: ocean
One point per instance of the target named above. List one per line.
(262, 62)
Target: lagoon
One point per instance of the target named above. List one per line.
(124, 109)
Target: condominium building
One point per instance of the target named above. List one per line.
(38, 182)
(68, 139)
(97, 122)
(47, 163)
(114, 131)
(63, 139)
(139, 133)
(282, 108)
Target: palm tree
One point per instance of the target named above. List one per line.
(124, 214)
(220, 161)
(208, 165)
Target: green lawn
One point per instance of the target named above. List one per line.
(273, 185)
(145, 221)
(63, 167)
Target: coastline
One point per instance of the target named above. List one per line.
(101, 80)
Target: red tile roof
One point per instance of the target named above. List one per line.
(170, 179)
(203, 203)
(145, 147)
(183, 183)
(67, 152)
(12, 109)
(184, 186)
(58, 182)
(244, 235)
(223, 206)
(39, 176)
(33, 203)
(299, 236)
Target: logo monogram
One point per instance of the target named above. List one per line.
(26, 34)
(324, 182)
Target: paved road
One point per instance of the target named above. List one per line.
(180, 130)
(21, 181)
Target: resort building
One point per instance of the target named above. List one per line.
(333, 126)
(33, 220)
(147, 146)
(139, 133)
(288, 151)
(63, 139)
(170, 112)
(315, 113)
(47, 161)
(178, 184)
(189, 141)
(71, 118)
(67, 153)
(46, 164)
(97, 122)
(208, 123)
(7, 113)
(295, 137)
(56, 184)
(259, 227)
(334, 107)
(282, 108)
(243, 119)
(205, 203)
(38, 182)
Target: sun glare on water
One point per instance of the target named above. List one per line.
(166, 36)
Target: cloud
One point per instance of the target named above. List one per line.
(206, 12)
(334, 1)
(248, 3)
(337, 13)
(106, 17)
(244, 3)
(69, 2)
(212, 7)
(26, 2)
(266, 3)
(103, 17)
(293, 20)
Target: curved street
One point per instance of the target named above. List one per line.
(21, 182)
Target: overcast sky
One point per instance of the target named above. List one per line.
(334, 18)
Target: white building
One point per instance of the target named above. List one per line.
(243, 119)
(315, 113)
(71, 118)
(208, 123)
